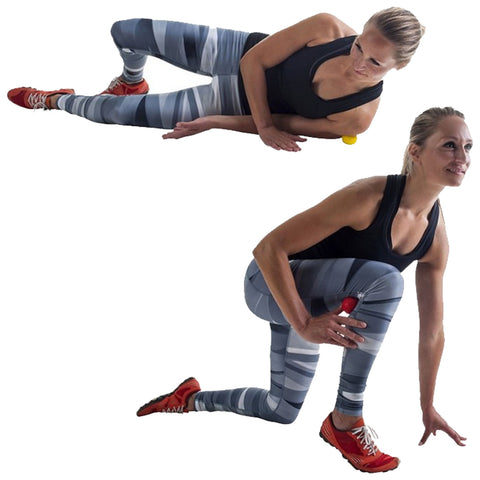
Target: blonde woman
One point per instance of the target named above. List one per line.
(317, 78)
(355, 243)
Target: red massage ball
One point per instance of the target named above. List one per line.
(349, 303)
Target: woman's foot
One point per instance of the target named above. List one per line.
(358, 447)
(118, 86)
(32, 98)
(178, 401)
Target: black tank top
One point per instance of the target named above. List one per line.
(289, 84)
(375, 242)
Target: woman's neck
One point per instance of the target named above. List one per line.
(419, 195)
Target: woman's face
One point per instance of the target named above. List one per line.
(372, 55)
(445, 157)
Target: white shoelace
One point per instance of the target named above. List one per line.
(38, 100)
(116, 81)
(173, 410)
(366, 435)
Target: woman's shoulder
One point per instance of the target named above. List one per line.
(360, 201)
(364, 194)
(329, 25)
(368, 188)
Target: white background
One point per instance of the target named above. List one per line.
(122, 259)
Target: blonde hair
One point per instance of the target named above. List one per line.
(400, 27)
(423, 127)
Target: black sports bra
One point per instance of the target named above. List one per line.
(375, 242)
(289, 84)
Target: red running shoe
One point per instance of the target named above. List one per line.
(32, 98)
(357, 447)
(119, 87)
(175, 402)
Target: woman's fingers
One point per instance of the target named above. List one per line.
(453, 434)
(280, 140)
(341, 333)
(424, 438)
(349, 335)
(289, 143)
(187, 129)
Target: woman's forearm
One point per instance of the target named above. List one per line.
(277, 273)
(429, 282)
(238, 123)
(429, 356)
(293, 124)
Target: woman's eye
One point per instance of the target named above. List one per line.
(450, 145)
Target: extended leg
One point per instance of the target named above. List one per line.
(293, 364)
(156, 110)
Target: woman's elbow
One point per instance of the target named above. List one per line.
(246, 62)
(266, 250)
(358, 126)
(352, 125)
(259, 251)
(432, 339)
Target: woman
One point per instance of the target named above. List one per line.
(355, 243)
(256, 86)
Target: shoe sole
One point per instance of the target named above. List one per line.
(347, 459)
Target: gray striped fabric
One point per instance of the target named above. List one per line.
(322, 284)
(208, 51)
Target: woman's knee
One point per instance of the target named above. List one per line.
(379, 287)
(121, 30)
(116, 31)
(379, 279)
(285, 419)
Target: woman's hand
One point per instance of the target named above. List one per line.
(271, 136)
(280, 140)
(186, 129)
(433, 422)
(334, 329)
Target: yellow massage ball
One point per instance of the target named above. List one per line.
(348, 139)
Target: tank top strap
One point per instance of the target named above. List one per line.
(389, 204)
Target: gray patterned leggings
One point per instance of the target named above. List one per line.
(208, 51)
(322, 284)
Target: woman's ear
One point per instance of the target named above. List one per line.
(414, 151)
(399, 66)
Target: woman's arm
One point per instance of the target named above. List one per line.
(238, 123)
(353, 122)
(354, 206)
(273, 50)
(429, 282)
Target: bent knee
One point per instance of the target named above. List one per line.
(379, 276)
(122, 30)
(393, 282)
(285, 415)
(116, 31)
(283, 420)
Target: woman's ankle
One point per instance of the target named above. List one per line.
(191, 403)
(53, 101)
(344, 422)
